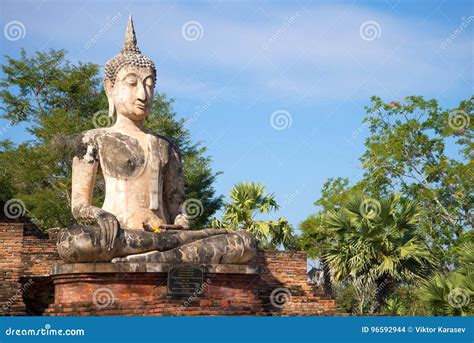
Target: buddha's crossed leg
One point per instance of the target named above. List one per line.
(84, 243)
(235, 247)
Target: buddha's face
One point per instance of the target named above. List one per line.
(132, 92)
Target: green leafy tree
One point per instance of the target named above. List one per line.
(411, 149)
(315, 239)
(248, 201)
(377, 244)
(407, 151)
(57, 100)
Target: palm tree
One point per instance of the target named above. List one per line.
(377, 241)
(250, 199)
(452, 293)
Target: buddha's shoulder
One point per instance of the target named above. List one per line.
(163, 140)
(92, 136)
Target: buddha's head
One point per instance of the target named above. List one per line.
(130, 80)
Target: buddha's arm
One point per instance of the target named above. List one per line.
(83, 181)
(173, 188)
(84, 171)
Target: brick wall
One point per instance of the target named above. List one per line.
(11, 244)
(283, 287)
(145, 294)
(25, 256)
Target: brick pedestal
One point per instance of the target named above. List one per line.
(123, 289)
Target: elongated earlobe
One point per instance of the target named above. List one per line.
(108, 90)
(111, 107)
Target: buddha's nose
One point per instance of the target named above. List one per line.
(141, 93)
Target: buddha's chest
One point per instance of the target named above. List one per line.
(126, 157)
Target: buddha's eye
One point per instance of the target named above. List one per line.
(149, 82)
(131, 80)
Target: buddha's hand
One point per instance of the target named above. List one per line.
(147, 219)
(182, 220)
(109, 227)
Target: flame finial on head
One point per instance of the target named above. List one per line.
(130, 44)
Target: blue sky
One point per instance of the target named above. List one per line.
(231, 65)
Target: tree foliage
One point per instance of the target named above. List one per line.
(412, 149)
(249, 199)
(377, 243)
(418, 149)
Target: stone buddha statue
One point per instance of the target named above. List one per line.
(142, 218)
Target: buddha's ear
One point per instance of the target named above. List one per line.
(108, 86)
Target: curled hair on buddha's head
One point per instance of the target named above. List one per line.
(129, 55)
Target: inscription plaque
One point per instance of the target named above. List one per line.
(185, 281)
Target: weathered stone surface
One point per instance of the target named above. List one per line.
(101, 268)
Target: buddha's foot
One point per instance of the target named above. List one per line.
(231, 248)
